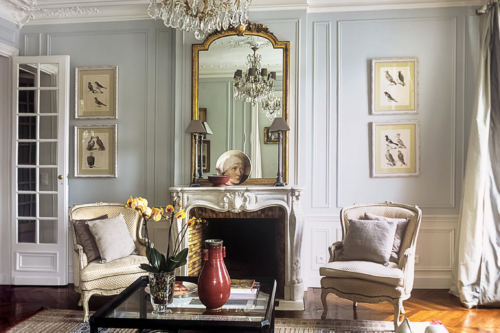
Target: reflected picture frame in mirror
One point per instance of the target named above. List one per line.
(250, 30)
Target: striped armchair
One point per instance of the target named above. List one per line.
(112, 277)
(369, 282)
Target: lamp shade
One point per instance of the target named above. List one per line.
(207, 128)
(263, 72)
(195, 126)
(279, 124)
(238, 73)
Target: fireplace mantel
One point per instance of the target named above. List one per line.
(237, 199)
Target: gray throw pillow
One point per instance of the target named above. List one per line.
(369, 241)
(398, 237)
(85, 239)
(112, 238)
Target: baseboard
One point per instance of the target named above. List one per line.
(440, 282)
(36, 281)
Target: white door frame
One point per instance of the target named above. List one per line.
(40, 262)
(6, 191)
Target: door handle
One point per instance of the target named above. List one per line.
(60, 177)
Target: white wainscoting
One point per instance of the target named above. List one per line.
(435, 249)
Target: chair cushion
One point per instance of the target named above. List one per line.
(112, 238)
(85, 239)
(369, 241)
(364, 270)
(363, 288)
(123, 266)
(398, 237)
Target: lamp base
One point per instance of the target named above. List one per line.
(279, 184)
(195, 185)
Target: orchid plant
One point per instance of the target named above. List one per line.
(158, 262)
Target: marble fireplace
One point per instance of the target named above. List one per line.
(276, 208)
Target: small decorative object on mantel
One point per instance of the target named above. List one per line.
(395, 149)
(236, 165)
(214, 284)
(218, 181)
(162, 267)
(96, 92)
(197, 129)
(394, 86)
(279, 125)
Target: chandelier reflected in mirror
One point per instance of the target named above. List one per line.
(272, 108)
(200, 16)
(255, 85)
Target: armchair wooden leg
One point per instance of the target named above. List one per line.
(80, 303)
(354, 304)
(402, 309)
(85, 301)
(397, 310)
(324, 293)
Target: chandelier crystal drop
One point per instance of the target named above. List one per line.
(200, 16)
(272, 108)
(255, 85)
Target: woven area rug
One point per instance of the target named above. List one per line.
(70, 321)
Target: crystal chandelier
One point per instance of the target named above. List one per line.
(256, 85)
(200, 16)
(271, 108)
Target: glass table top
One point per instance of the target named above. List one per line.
(188, 307)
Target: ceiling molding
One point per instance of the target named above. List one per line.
(76, 11)
(8, 51)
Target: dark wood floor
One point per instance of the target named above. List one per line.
(19, 303)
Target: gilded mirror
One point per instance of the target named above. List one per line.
(237, 124)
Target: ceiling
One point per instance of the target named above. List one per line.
(70, 11)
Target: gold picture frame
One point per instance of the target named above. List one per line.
(270, 137)
(95, 151)
(205, 156)
(96, 92)
(395, 86)
(396, 149)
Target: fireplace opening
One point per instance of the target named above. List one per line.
(255, 243)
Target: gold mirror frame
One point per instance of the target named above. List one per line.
(256, 30)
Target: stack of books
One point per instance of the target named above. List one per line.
(244, 289)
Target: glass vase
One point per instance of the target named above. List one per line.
(161, 286)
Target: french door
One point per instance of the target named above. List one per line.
(40, 170)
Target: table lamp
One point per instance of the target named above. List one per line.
(196, 128)
(279, 125)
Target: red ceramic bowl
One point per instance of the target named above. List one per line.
(218, 181)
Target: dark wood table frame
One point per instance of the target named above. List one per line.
(99, 318)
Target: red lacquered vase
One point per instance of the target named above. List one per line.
(214, 284)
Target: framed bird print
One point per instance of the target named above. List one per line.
(394, 86)
(395, 149)
(96, 92)
(95, 151)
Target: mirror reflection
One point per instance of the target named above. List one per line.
(240, 90)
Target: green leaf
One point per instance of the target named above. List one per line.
(155, 258)
(148, 268)
(163, 264)
(181, 258)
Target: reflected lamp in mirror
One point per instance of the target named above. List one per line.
(279, 125)
(196, 128)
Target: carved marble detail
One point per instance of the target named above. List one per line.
(236, 202)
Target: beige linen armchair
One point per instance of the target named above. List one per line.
(369, 282)
(112, 277)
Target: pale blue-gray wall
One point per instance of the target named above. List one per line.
(143, 52)
(9, 33)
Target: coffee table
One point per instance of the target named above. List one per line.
(132, 309)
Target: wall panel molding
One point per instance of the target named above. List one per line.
(450, 203)
(321, 117)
